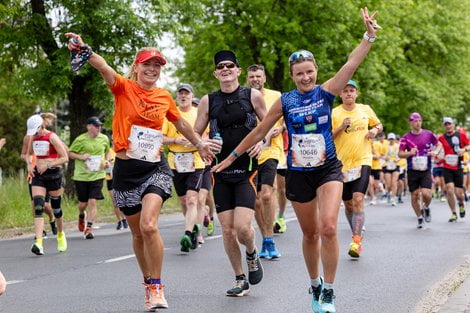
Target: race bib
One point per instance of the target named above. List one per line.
(144, 144)
(308, 150)
(352, 174)
(391, 166)
(419, 163)
(184, 162)
(93, 163)
(41, 147)
(452, 159)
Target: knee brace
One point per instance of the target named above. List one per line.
(38, 206)
(55, 205)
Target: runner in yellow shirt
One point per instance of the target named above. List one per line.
(271, 153)
(391, 169)
(187, 167)
(354, 125)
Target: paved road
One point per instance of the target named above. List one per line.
(399, 264)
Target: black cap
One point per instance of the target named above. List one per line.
(225, 55)
(196, 101)
(94, 120)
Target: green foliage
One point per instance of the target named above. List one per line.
(15, 209)
(420, 61)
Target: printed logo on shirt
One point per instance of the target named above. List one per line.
(310, 127)
(323, 119)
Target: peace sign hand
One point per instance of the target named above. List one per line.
(370, 22)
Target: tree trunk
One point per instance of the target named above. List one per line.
(80, 109)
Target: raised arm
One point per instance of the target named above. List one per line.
(335, 84)
(95, 60)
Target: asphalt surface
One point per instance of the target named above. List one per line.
(398, 265)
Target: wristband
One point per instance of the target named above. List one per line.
(369, 38)
(234, 154)
(199, 143)
(48, 165)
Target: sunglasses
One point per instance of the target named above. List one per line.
(221, 66)
(301, 55)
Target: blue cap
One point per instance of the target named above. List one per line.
(352, 83)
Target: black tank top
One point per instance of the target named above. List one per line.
(233, 116)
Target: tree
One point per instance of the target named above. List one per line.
(35, 50)
(420, 61)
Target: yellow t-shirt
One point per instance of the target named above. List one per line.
(377, 164)
(352, 146)
(466, 159)
(274, 149)
(170, 131)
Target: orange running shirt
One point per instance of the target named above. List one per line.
(135, 105)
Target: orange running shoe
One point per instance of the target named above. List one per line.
(156, 296)
(355, 247)
(88, 234)
(148, 306)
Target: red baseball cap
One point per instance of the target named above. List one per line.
(149, 54)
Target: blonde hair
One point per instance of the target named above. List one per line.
(48, 118)
(131, 72)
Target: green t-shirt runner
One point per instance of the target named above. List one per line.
(93, 168)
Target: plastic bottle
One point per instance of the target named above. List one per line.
(220, 140)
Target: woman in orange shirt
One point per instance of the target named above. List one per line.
(142, 178)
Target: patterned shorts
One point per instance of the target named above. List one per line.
(133, 197)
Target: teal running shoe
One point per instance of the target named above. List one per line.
(327, 301)
(316, 292)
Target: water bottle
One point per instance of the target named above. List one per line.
(221, 142)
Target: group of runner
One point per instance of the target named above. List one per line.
(232, 143)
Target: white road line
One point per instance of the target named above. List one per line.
(11, 282)
(212, 237)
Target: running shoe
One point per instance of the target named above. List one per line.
(394, 201)
(316, 292)
(435, 194)
(453, 218)
(81, 223)
(420, 223)
(280, 226)
(148, 306)
(88, 234)
(200, 238)
(327, 301)
(119, 225)
(206, 220)
(373, 201)
(355, 247)
(255, 269)
(44, 235)
(124, 224)
(240, 288)
(210, 228)
(194, 234)
(53, 227)
(400, 200)
(462, 210)
(427, 215)
(466, 197)
(443, 199)
(185, 243)
(37, 249)
(61, 242)
(156, 296)
(273, 253)
(264, 251)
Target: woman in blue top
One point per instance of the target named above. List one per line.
(313, 180)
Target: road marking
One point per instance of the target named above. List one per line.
(11, 282)
(212, 237)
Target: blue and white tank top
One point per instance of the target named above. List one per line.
(308, 121)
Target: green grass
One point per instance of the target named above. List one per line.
(15, 205)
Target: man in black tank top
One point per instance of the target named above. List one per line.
(232, 112)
